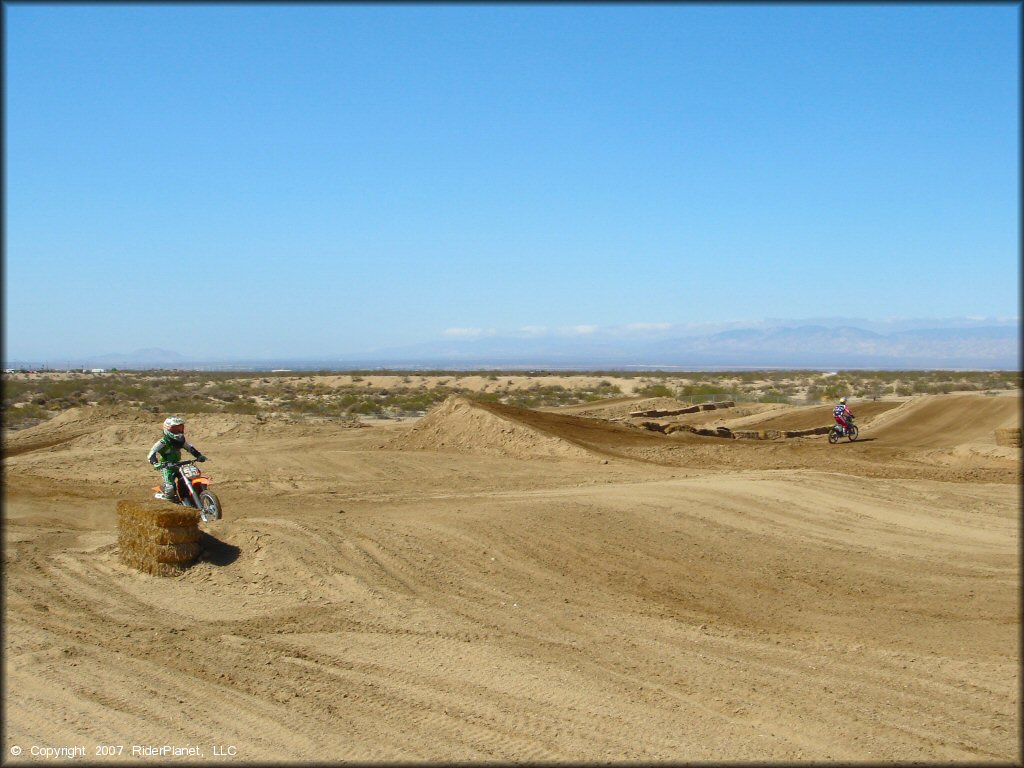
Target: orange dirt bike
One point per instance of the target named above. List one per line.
(192, 488)
(837, 433)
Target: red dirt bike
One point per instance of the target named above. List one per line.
(191, 487)
(837, 433)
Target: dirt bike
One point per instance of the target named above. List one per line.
(837, 433)
(191, 487)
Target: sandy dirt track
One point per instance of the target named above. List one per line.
(541, 587)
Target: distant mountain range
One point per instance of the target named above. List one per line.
(803, 346)
(149, 355)
(815, 346)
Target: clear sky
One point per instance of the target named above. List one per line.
(319, 180)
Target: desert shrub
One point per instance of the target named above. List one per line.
(543, 395)
(874, 389)
(703, 390)
(25, 416)
(656, 390)
(242, 406)
(365, 407)
(602, 391)
(834, 391)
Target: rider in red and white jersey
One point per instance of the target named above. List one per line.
(842, 414)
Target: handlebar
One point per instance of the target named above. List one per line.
(175, 464)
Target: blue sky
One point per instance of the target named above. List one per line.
(319, 180)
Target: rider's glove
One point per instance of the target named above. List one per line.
(200, 457)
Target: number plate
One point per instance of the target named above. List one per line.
(190, 471)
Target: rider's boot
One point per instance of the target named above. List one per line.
(168, 493)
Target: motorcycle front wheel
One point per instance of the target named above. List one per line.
(210, 509)
(853, 433)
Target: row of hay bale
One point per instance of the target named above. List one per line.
(777, 434)
(1008, 437)
(655, 413)
(739, 434)
(155, 538)
(668, 429)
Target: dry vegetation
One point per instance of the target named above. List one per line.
(30, 398)
(492, 584)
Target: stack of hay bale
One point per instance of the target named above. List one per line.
(157, 539)
(1008, 437)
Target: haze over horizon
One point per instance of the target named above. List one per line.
(276, 182)
(964, 343)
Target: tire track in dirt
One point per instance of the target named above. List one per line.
(109, 696)
(945, 421)
(469, 608)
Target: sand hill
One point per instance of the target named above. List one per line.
(471, 426)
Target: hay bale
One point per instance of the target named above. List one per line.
(183, 534)
(1008, 437)
(714, 406)
(716, 432)
(658, 412)
(155, 538)
(158, 513)
(806, 432)
(672, 428)
(154, 568)
(146, 558)
(746, 434)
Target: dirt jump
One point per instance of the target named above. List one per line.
(498, 584)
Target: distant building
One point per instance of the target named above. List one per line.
(98, 370)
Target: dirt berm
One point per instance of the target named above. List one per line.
(473, 426)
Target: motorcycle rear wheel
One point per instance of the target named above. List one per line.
(833, 436)
(210, 509)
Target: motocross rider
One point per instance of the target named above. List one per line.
(842, 414)
(168, 449)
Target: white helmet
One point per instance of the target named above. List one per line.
(174, 429)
